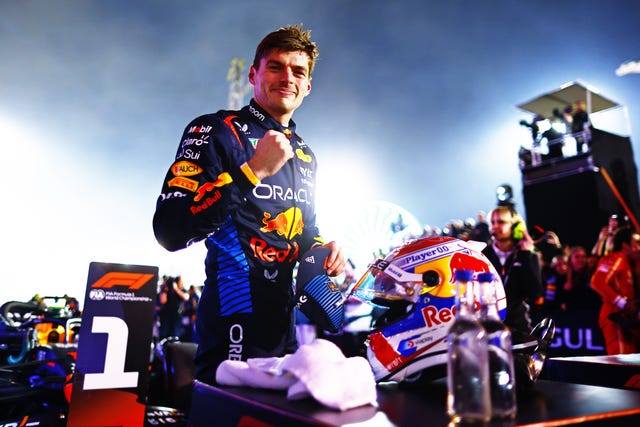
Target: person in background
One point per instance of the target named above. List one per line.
(592, 262)
(580, 126)
(578, 294)
(534, 127)
(511, 251)
(555, 277)
(188, 313)
(535, 153)
(170, 298)
(604, 244)
(244, 182)
(613, 280)
(480, 231)
(160, 295)
(554, 140)
(547, 243)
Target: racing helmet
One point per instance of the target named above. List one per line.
(413, 291)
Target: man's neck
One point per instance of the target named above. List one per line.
(283, 119)
(505, 245)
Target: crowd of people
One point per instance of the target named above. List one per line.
(559, 278)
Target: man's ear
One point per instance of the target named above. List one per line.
(252, 73)
(308, 88)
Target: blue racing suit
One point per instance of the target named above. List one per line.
(254, 231)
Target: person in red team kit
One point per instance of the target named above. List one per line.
(243, 181)
(614, 281)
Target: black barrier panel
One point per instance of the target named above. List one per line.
(577, 334)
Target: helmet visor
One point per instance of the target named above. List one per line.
(383, 281)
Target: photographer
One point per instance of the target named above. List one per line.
(512, 252)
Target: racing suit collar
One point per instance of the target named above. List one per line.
(261, 116)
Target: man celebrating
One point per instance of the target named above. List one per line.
(244, 181)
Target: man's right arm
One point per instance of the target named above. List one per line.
(602, 278)
(203, 186)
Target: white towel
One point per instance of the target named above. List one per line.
(331, 378)
(239, 373)
(318, 369)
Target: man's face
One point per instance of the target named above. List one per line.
(281, 82)
(578, 260)
(560, 265)
(501, 225)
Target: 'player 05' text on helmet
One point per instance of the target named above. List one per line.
(415, 286)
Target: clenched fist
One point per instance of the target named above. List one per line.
(272, 152)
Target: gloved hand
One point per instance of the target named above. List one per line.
(630, 310)
(317, 297)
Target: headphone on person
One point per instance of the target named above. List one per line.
(517, 230)
(518, 227)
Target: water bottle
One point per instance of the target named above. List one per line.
(501, 372)
(468, 393)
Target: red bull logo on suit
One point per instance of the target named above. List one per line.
(288, 224)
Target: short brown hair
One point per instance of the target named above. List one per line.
(288, 39)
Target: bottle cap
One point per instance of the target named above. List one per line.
(464, 275)
(485, 277)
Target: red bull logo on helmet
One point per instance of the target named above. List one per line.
(288, 224)
(463, 261)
